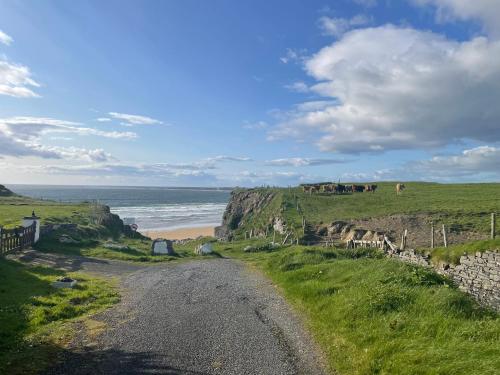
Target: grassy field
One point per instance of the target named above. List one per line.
(13, 209)
(465, 206)
(373, 315)
(35, 318)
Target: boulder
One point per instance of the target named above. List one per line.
(162, 246)
(205, 248)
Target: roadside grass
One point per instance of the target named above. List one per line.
(121, 248)
(452, 254)
(35, 317)
(373, 315)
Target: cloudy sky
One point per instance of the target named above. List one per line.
(225, 93)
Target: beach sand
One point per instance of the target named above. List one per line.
(180, 234)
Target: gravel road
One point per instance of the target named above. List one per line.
(201, 317)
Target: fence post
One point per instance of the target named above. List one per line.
(444, 237)
(432, 235)
(493, 225)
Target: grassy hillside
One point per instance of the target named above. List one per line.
(373, 315)
(464, 206)
(14, 208)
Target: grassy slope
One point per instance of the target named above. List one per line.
(34, 316)
(463, 205)
(374, 315)
(13, 209)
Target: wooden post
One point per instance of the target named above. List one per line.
(444, 237)
(401, 246)
(493, 225)
(432, 235)
(274, 236)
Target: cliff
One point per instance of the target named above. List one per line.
(4, 192)
(243, 206)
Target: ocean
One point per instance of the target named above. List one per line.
(151, 208)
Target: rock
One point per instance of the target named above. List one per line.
(162, 246)
(64, 282)
(115, 246)
(243, 204)
(249, 249)
(64, 238)
(203, 249)
(279, 225)
(4, 192)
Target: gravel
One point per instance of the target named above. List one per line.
(198, 317)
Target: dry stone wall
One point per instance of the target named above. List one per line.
(478, 274)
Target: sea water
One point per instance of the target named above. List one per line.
(152, 208)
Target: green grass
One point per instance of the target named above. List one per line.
(459, 206)
(133, 250)
(13, 209)
(35, 317)
(453, 253)
(373, 315)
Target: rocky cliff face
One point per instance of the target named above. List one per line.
(241, 206)
(4, 192)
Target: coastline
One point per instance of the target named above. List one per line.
(180, 233)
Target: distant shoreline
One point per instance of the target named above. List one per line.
(180, 233)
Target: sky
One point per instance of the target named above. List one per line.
(250, 92)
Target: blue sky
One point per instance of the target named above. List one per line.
(219, 93)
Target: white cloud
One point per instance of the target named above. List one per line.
(27, 128)
(302, 162)
(134, 119)
(293, 55)
(485, 11)
(479, 160)
(16, 81)
(228, 158)
(103, 119)
(399, 88)
(21, 137)
(338, 26)
(298, 86)
(5, 39)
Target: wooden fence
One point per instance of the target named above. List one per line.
(17, 238)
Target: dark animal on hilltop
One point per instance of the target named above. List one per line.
(371, 188)
(358, 188)
(400, 188)
(348, 189)
(340, 188)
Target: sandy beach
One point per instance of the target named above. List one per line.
(181, 233)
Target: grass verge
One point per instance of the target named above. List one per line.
(35, 317)
(373, 315)
(452, 254)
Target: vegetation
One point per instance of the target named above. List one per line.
(373, 315)
(14, 208)
(127, 249)
(453, 253)
(35, 318)
(460, 206)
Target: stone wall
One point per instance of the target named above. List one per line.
(478, 274)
